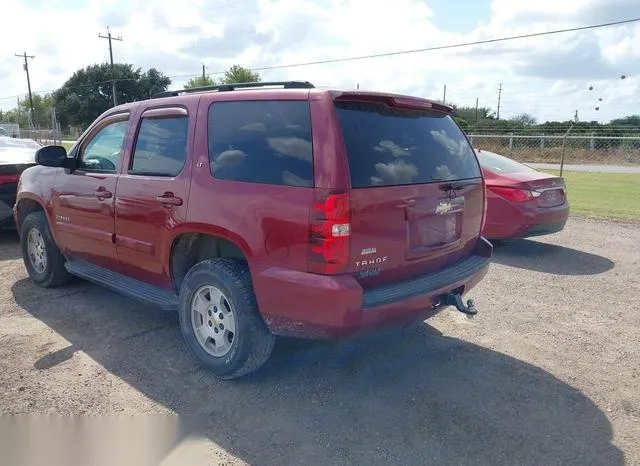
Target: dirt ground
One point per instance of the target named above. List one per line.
(547, 373)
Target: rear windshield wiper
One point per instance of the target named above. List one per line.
(457, 185)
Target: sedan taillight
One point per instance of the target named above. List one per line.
(9, 178)
(514, 194)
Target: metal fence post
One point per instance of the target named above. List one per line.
(564, 140)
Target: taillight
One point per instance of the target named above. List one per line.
(484, 207)
(329, 233)
(514, 194)
(9, 178)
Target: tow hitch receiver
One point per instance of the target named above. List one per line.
(452, 299)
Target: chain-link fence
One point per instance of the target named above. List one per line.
(43, 127)
(567, 148)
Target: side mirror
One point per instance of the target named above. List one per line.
(52, 156)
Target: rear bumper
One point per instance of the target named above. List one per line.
(527, 223)
(305, 305)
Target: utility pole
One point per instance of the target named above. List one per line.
(113, 77)
(203, 75)
(499, 97)
(444, 95)
(476, 110)
(575, 117)
(26, 69)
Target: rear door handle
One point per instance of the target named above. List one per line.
(102, 193)
(168, 199)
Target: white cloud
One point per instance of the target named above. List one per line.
(545, 76)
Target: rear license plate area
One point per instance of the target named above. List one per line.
(434, 226)
(552, 198)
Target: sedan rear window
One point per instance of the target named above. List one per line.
(500, 164)
(390, 146)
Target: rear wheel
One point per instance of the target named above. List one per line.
(42, 258)
(220, 321)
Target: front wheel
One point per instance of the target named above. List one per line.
(220, 321)
(42, 258)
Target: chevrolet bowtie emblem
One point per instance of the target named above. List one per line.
(443, 208)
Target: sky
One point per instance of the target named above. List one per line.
(548, 77)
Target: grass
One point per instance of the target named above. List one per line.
(603, 195)
(67, 145)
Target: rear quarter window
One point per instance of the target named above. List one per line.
(389, 146)
(261, 142)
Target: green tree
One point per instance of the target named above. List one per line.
(15, 116)
(42, 105)
(240, 74)
(631, 120)
(524, 119)
(88, 92)
(464, 124)
(152, 82)
(469, 115)
(200, 81)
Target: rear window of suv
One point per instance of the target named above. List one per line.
(390, 146)
(264, 141)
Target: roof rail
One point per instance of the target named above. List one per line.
(234, 86)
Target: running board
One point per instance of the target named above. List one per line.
(126, 286)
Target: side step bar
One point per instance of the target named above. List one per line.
(126, 286)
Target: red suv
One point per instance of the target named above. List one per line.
(263, 209)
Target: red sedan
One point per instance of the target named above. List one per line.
(521, 201)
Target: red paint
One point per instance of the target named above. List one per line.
(515, 207)
(134, 229)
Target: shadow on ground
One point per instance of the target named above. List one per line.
(549, 258)
(9, 245)
(406, 397)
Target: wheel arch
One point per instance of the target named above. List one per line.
(195, 244)
(27, 204)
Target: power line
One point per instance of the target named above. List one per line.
(113, 78)
(26, 69)
(96, 83)
(401, 52)
(443, 47)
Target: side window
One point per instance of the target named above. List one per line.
(261, 142)
(103, 152)
(161, 146)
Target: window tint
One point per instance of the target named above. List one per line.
(388, 147)
(261, 142)
(161, 147)
(103, 152)
(499, 164)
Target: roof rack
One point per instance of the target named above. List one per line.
(234, 86)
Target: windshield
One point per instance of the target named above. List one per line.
(390, 147)
(500, 164)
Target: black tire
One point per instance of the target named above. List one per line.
(54, 273)
(252, 342)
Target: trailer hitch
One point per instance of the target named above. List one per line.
(452, 299)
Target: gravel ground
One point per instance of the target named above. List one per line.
(546, 374)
